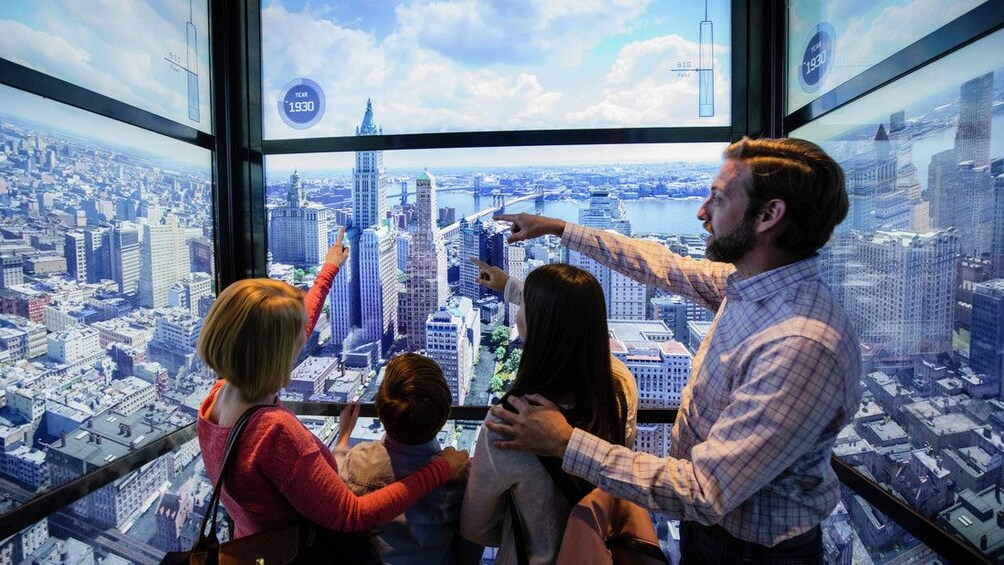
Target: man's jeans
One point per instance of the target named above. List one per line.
(712, 544)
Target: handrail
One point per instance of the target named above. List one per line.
(921, 527)
(43, 505)
(23, 516)
(58, 498)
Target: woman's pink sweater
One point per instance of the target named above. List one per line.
(283, 471)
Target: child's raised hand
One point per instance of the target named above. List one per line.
(490, 276)
(339, 252)
(347, 421)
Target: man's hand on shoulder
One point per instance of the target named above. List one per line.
(538, 427)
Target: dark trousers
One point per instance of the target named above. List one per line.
(712, 544)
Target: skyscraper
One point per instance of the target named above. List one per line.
(997, 236)
(875, 203)
(298, 230)
(515, 266)
(453, 336)
(472, 244)
(485, 241)
(426, 288)
(124, 251)
(986, 346)
(366, 297)
(943, 188)
(98, 257)
(75, 251)
(369, 206)
(972, 138)
(625, 296)
(378, 284)
(165, 261)
(900, 290)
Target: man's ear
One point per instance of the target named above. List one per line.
(771, 215)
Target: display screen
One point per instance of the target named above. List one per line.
(475, 65)
(152, 55)
(832, 41)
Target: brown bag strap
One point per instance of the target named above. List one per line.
(229, 457)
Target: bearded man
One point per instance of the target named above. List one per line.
(773, 383)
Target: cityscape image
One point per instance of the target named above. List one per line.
(108, 254)
(107, 279)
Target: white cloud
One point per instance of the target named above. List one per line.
(39, 50)
(476, 32)
(643, 86)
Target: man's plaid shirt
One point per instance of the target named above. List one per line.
(773, 383)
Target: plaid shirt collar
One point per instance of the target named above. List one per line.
(771, 282)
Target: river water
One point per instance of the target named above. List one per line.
(647, 215)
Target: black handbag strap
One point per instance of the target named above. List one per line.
(573, 488)
(229, 457)
(522, 555)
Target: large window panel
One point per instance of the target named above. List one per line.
(152, 55)
(107, 272)
(830, 42)
(442, 217)
(919, 265)
(473, 65)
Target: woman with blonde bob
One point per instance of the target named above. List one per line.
(251, 338)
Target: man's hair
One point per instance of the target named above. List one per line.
(809, 181)
(252, 334)
(413, 402)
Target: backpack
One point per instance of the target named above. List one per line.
(605, 529)
(601, 528)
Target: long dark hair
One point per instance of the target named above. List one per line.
(566, 354)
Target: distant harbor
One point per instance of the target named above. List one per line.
(647, 215)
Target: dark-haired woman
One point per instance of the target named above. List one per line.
(566, 358)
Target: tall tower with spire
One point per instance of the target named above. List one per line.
(370, 287)
(369, 203)
(426, 287)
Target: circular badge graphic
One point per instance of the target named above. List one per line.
(817, 58)
(301, 103)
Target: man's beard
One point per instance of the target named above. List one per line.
(733, 246)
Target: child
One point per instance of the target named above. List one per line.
(413, 404)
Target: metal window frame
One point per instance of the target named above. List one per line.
(35, 82)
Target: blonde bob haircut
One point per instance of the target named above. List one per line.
(252, 335)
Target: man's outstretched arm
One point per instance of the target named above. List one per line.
(643, 260)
